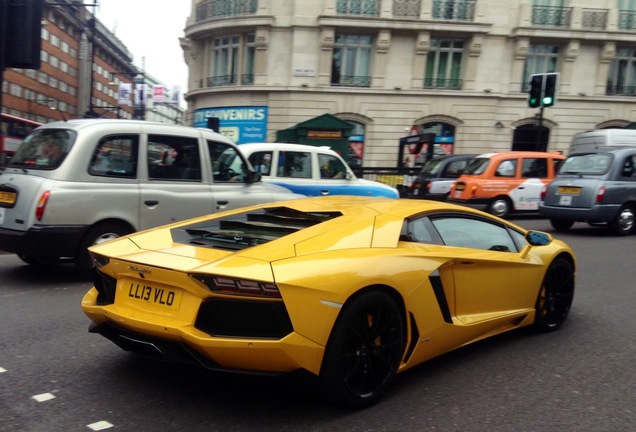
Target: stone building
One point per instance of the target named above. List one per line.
(392, 68)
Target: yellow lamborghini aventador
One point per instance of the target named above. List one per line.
(352, 290)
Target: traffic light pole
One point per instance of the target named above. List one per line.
(538, 124)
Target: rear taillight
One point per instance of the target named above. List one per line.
(226, 285)
(543, 193)
(600, 194)
(39, 210)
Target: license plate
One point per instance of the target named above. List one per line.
(566, 190)
(7, 197)
(459, 187)
(152, 295)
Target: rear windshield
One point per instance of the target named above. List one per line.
(586, 164)
(477, 166)
(43, 149)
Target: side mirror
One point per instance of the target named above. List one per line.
(254, 177)
(538, 238)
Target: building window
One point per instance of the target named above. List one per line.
(622, 74)
(541, 59)
(226, 66)
(444, 64)
(351, 63)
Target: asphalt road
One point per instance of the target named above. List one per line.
(55, 376)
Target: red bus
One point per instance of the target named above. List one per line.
(12, 131)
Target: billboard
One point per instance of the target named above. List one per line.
(241, 124)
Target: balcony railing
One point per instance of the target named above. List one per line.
(407, 8)
(620, 90)
(448, 84)
(626, 19)
(594, 19)
(351, 81)
(459, 10)
(223, 8)
(551, 16)
(226, 80)
(358, 7)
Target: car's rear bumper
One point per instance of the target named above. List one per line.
(597, 213)
(43, 241)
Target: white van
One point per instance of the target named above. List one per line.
(72, 184)
(591, 140)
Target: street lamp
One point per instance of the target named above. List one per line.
(138, 93)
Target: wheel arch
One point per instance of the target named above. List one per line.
(391, 292)
(114, 221)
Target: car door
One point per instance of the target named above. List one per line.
(175, 188)
(491, 278)
(533, 176)
(230, 172)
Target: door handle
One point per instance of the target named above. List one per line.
(151, 203)
(324, 192)
(221, 204)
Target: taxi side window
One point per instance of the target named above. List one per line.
(227, 163)
(294, 164)
(331, 167)
(173, 158)
(629, 167)
(506, 168)
(115, 156)
(262, 162)
(534, 168)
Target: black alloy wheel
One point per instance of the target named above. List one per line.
(556, 295)
(364, 351)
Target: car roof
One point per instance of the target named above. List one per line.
(500, 155)
(250, 147)
(143, 126)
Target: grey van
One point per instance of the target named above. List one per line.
(595, 186)
(76, 183)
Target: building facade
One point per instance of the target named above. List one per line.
(459, 69)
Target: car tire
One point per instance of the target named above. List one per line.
(555, 296)
(98, 234)
(625, 222)
(561, 225)
(500, 207)
(364, 351)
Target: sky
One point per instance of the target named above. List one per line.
(150, 29)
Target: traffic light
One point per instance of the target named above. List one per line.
(536, 90)
(21, 33)
(550, 90)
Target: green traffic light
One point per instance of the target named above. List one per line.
(547, 101)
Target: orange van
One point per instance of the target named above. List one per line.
(507, 182)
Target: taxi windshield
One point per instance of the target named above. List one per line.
(431, 167)
(43, 149)
(477, 166)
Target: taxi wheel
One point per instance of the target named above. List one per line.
(555, 296)
(625, 222)
(500, 206)
(98, 234)
(561, 224)
(364, 351)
